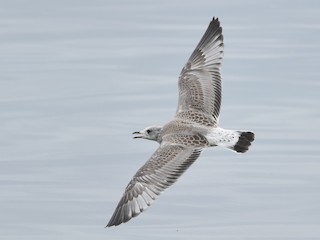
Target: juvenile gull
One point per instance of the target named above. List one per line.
(194, 127)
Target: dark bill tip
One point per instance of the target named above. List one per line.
(137, 136)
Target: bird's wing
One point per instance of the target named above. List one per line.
(158, 173)
(200, 81)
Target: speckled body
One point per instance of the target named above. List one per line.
(197, 134)
(186, 132)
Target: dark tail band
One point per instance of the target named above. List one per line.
(244, 142)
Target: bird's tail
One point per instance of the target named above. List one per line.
(238, 141)
(244, 142)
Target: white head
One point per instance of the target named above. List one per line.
(150, 133)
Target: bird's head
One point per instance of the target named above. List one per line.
(150, 133)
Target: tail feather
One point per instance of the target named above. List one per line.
(238, 141)
(244, 142)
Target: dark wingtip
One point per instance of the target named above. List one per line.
(110, 225)
(215, 19)
(114, 222)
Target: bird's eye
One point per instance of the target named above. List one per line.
(148, 131)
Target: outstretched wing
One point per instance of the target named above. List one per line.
(161, 171)
(200, 81)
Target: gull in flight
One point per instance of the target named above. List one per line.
(194, 127)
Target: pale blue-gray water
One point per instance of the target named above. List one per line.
(78, 77)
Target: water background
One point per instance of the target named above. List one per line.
(78, 77)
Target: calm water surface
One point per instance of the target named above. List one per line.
(78, 77)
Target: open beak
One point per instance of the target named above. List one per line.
(137, 136)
